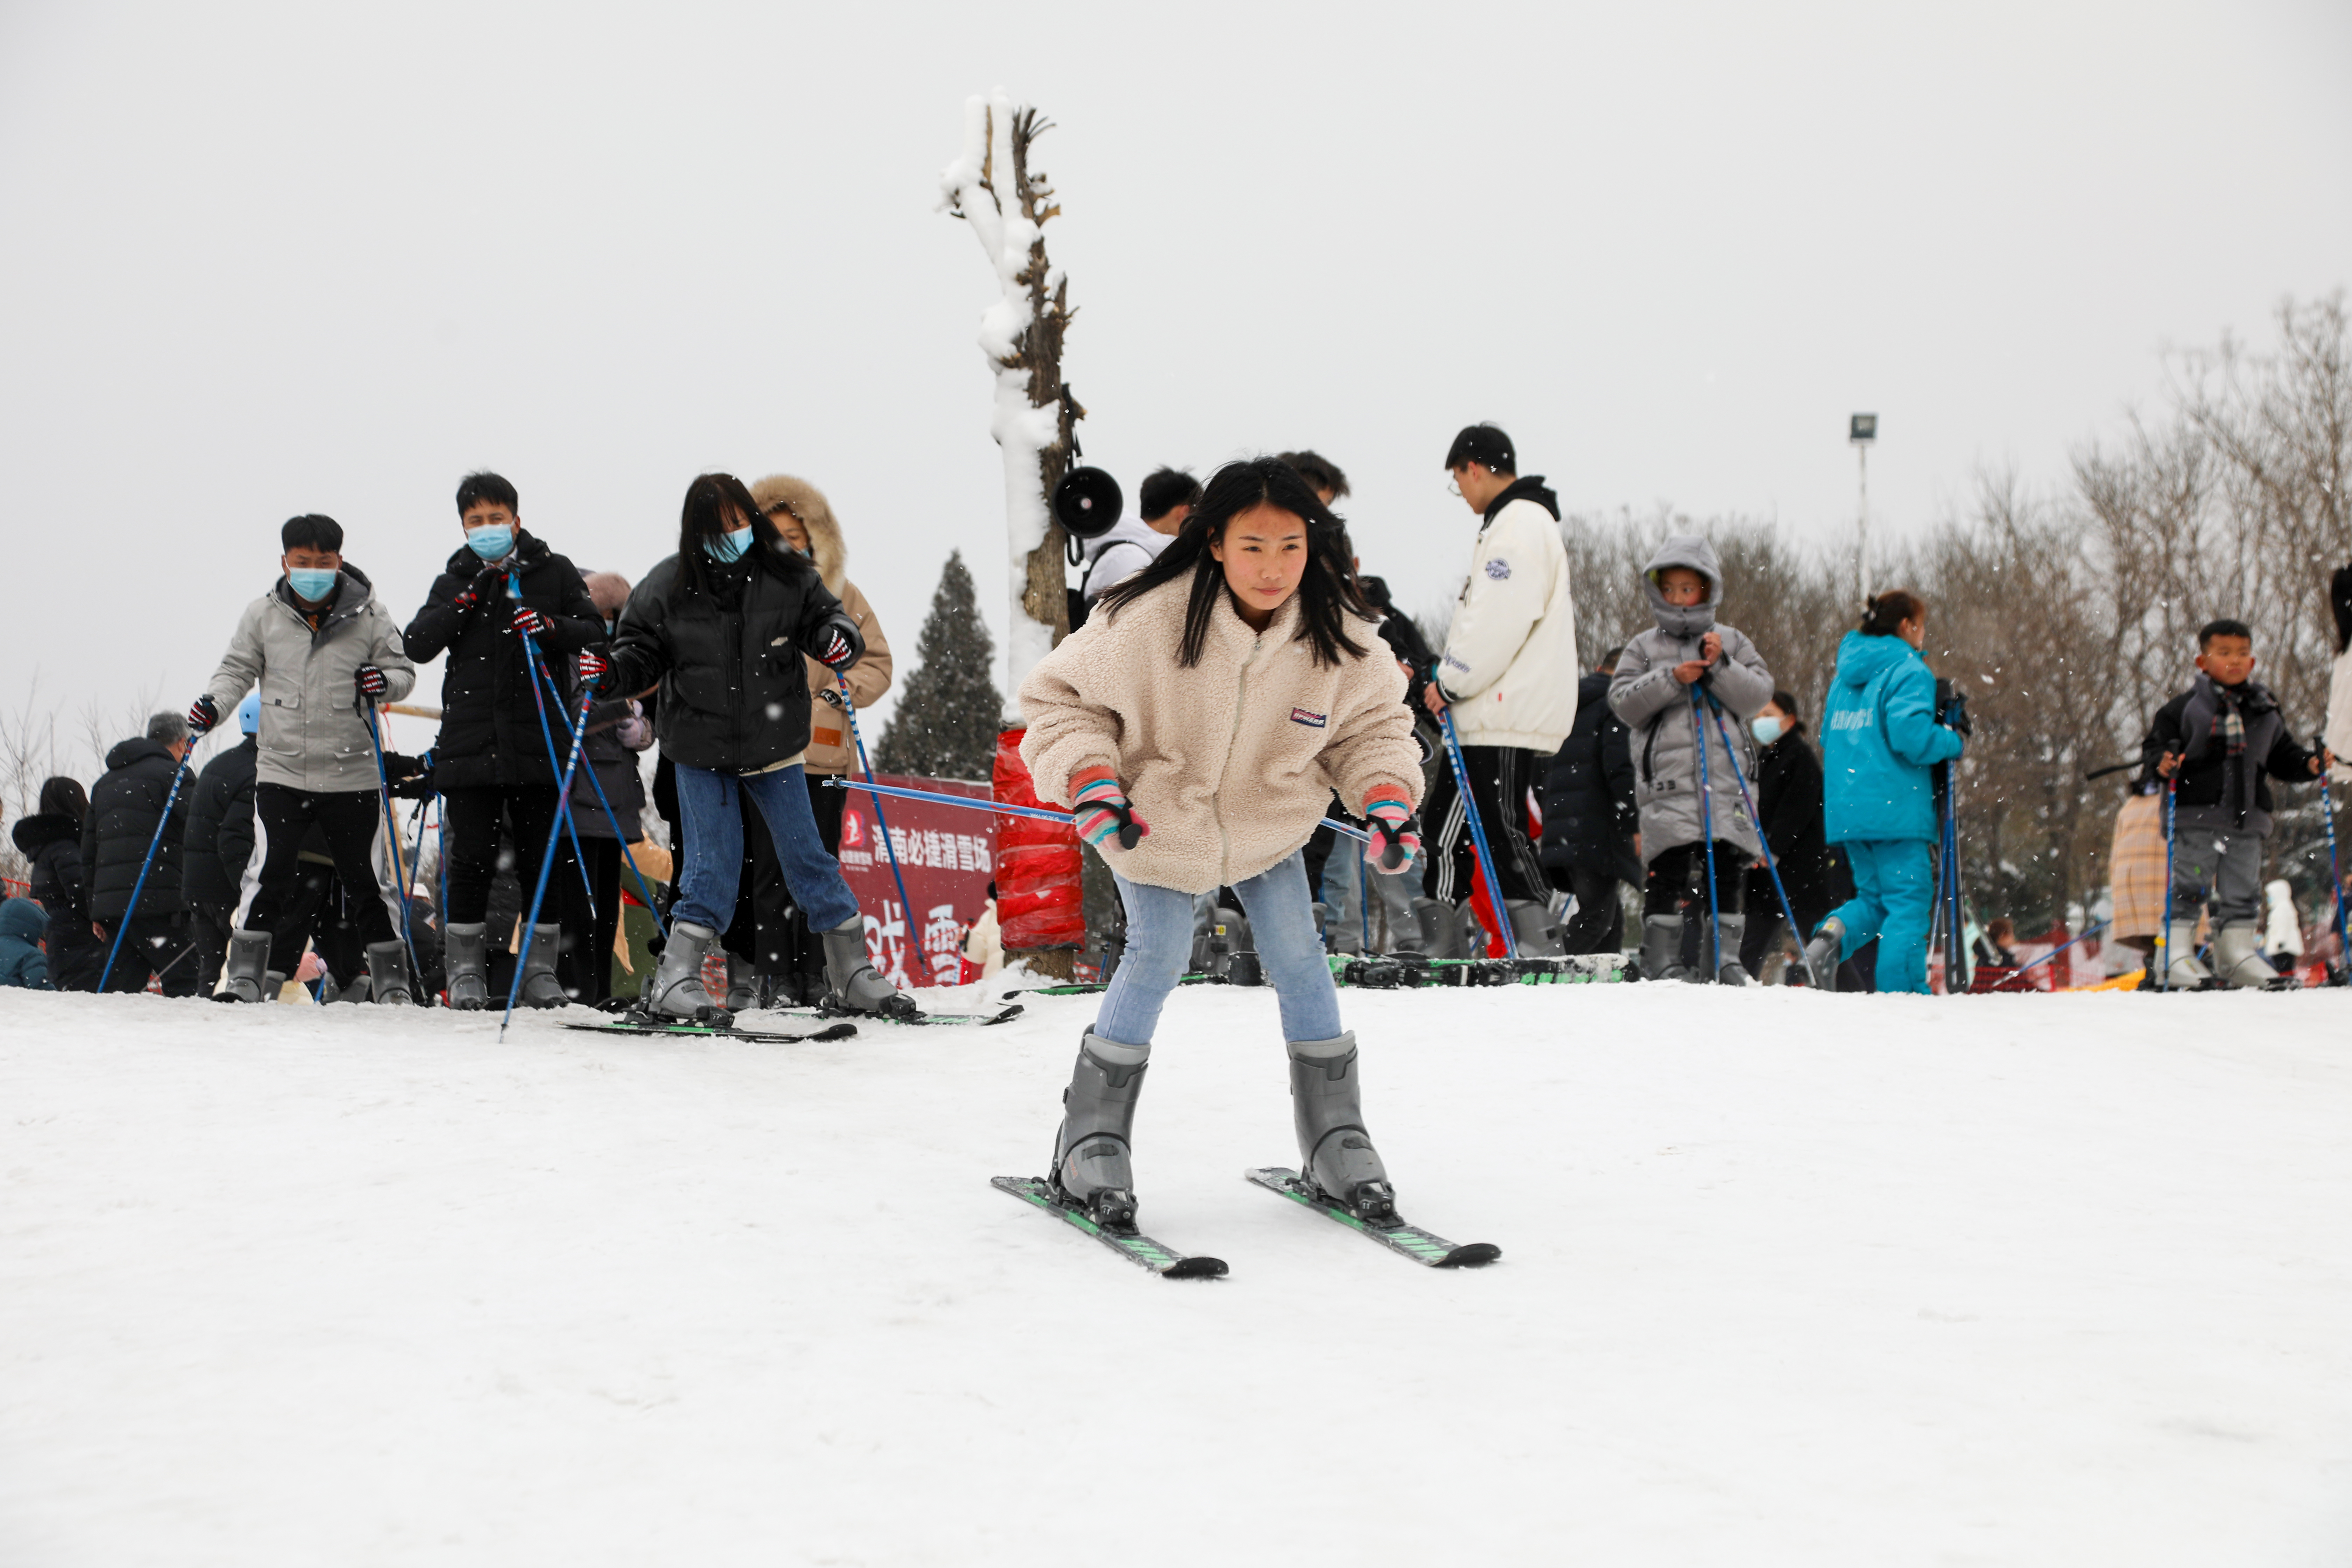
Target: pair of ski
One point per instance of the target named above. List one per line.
(1423, 1247)
(637, 1024)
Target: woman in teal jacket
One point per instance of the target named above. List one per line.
(1879, 738)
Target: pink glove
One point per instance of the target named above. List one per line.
(1102, 812)
(1396, 832)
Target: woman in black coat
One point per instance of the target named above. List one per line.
(1789, 799)
(51, 841)
(726, 627)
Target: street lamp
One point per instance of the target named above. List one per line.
(1862, 429)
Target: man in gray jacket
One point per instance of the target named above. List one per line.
(323, 650)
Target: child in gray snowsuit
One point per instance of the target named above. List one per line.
(1687, 679)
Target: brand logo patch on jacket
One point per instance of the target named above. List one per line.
(1301, 716)
(1498, 568)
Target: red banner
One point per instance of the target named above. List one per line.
(947, 854)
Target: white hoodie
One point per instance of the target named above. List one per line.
(1509, 666)
(1129, 546)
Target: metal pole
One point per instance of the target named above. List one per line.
(906, 906)
(392, 843)
(1707, 833)
(547, 861)
(1477, 833)
(1756, 820)
(1042, 813)
(179, 777)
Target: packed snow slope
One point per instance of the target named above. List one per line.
(1787, 1278)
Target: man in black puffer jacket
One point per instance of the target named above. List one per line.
(1590, 817)
(501, 588)
(219, 844)
(125, 808)
(51, 841)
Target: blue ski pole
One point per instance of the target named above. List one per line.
(563, 800)
(1477, 831)
(547, 860)
(170, 799)
(1753, 816)
(392, 839)
(1707, 834)
(906, 908)
(2343, 975)
(645, 888)
(1040, 813)
(2164, 931)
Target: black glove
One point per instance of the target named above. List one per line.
(592, 666)
(370, 681)
(530, 623)
(485, 586)
(836, 644)
(411, 777)
(203, 714)
(1956, 715)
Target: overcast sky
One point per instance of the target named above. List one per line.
(256, 262)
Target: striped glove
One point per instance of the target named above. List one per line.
(1102, 813)
(531, 623)
(1396, 831)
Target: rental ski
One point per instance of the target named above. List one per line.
(1133, 1246)
(712, 1031)
(1421, 1246)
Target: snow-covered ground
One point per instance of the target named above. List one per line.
(1787, 1278)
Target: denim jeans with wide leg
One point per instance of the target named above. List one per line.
(714, 847)
(1159, 943)
(1894, 895)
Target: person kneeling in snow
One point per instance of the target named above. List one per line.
(1210, 706)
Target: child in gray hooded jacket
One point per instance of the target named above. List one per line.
(1686, 682)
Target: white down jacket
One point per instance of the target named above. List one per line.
(1509, 666)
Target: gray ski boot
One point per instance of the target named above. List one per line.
(1823, 956)
(246, 973)
(1091, 1148)
(467, 971)
(539, 986)
(676, 990)
(1326, 1108)
(856, 987)
(1533, 930)
(388, 980)
(1661, 947)
(1731, 930)
(1440, 929)
(2237, 962)
(2181, 970)
(742, 984)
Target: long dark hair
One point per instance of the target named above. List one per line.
(712, 501)
(62, 797)
(1327, 594)
(1884, 615)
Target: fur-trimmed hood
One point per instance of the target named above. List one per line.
(808, 503)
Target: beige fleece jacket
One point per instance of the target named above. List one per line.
(830, 747)
(1230, 764)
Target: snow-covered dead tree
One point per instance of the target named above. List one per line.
(991, 187)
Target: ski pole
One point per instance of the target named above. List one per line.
(1740, 778)
(2334, 876)
(2164, 933)
(906, 906)
(563, 800)
(1041, 813)
(644, 887)
(2088, 930)
(179, 776)
(391, 837)
(1707, 833)
(1478, 828)
(547, 860)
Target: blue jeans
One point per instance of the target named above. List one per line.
(1894, 889)
(1159, 943)
(714, 848)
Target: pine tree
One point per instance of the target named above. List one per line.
(946, 722)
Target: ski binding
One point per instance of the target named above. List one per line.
(1132, 1245)
(1423, 1247)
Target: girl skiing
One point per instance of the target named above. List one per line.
(1880, 737)
(1197, 725)
(722, 625)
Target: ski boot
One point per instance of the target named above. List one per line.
(467, 974)
(2236, 963)
(1730, 930)
(855, 987)
(1533, 930)
(387, 974)
(246, 974)
(2181, 970)
(1822, 954)
(1661, 947)
(1440, 929)
(539, 986)
(1326, 1108)
(742, 984)
(675, 992)
(1091, 1166)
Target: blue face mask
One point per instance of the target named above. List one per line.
(1765, 729)
(310, 583)
(490, 542)
(730, 546)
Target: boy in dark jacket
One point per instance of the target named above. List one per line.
(219, 844)
(21, 962)
(1590, 824)
(51, 841)
(503, 742)
(2217, 744)
(125, 809)
(1789, 799)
